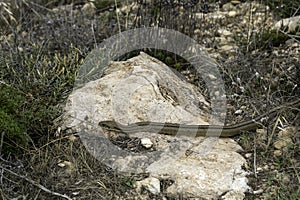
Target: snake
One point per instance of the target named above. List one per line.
(195, 130)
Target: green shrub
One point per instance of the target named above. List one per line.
(283, 9)
(12, 126)
(274, 38)
(38, 84)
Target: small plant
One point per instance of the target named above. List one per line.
(32, 86)
(283, 9)
(274, 38)
(12, 126)
(265, 39)
(103, 4)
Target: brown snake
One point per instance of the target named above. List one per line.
(200, 130)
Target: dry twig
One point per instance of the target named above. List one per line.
(36, 184)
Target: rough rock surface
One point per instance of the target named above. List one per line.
(288, 25)
(144, 89)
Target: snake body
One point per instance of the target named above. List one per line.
(195, 130)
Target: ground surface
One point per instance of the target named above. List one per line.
(43, 44)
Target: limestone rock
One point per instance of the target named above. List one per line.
(289, 24)
(151, 184)
(146, 142)
(144, 89)
(233, 195)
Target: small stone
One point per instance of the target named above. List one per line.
(277, 153)
(227, 7)
(280, 144)
(259, 169)
(284, 138)
(197, 31)
(266, 167)
(151, 184)
(232, 13)
(242, 89)
(258, 191)
(217, 93)
(222, 41)
(233, 195)
(72, 138)
(290, 42)
(287, 132)
(286, 179)
(227, 48)
(260, 131)
(199, 16)
(238, 112)
(20, 49)
(224, 32)
(58, 131)
(212, 77)
(68, 165)
(62, 164)
(272, 167)
(248, 155)
(246, 166)
(217, 15)
(235, 2)
(296, 44)
(125, 9)
(147, 143)
(64, 8)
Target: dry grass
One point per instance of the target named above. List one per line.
(40, 55)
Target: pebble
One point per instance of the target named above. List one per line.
(147, 143)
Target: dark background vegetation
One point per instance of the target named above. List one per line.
(40, 54)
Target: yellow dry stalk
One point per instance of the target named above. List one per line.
(6, 13)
